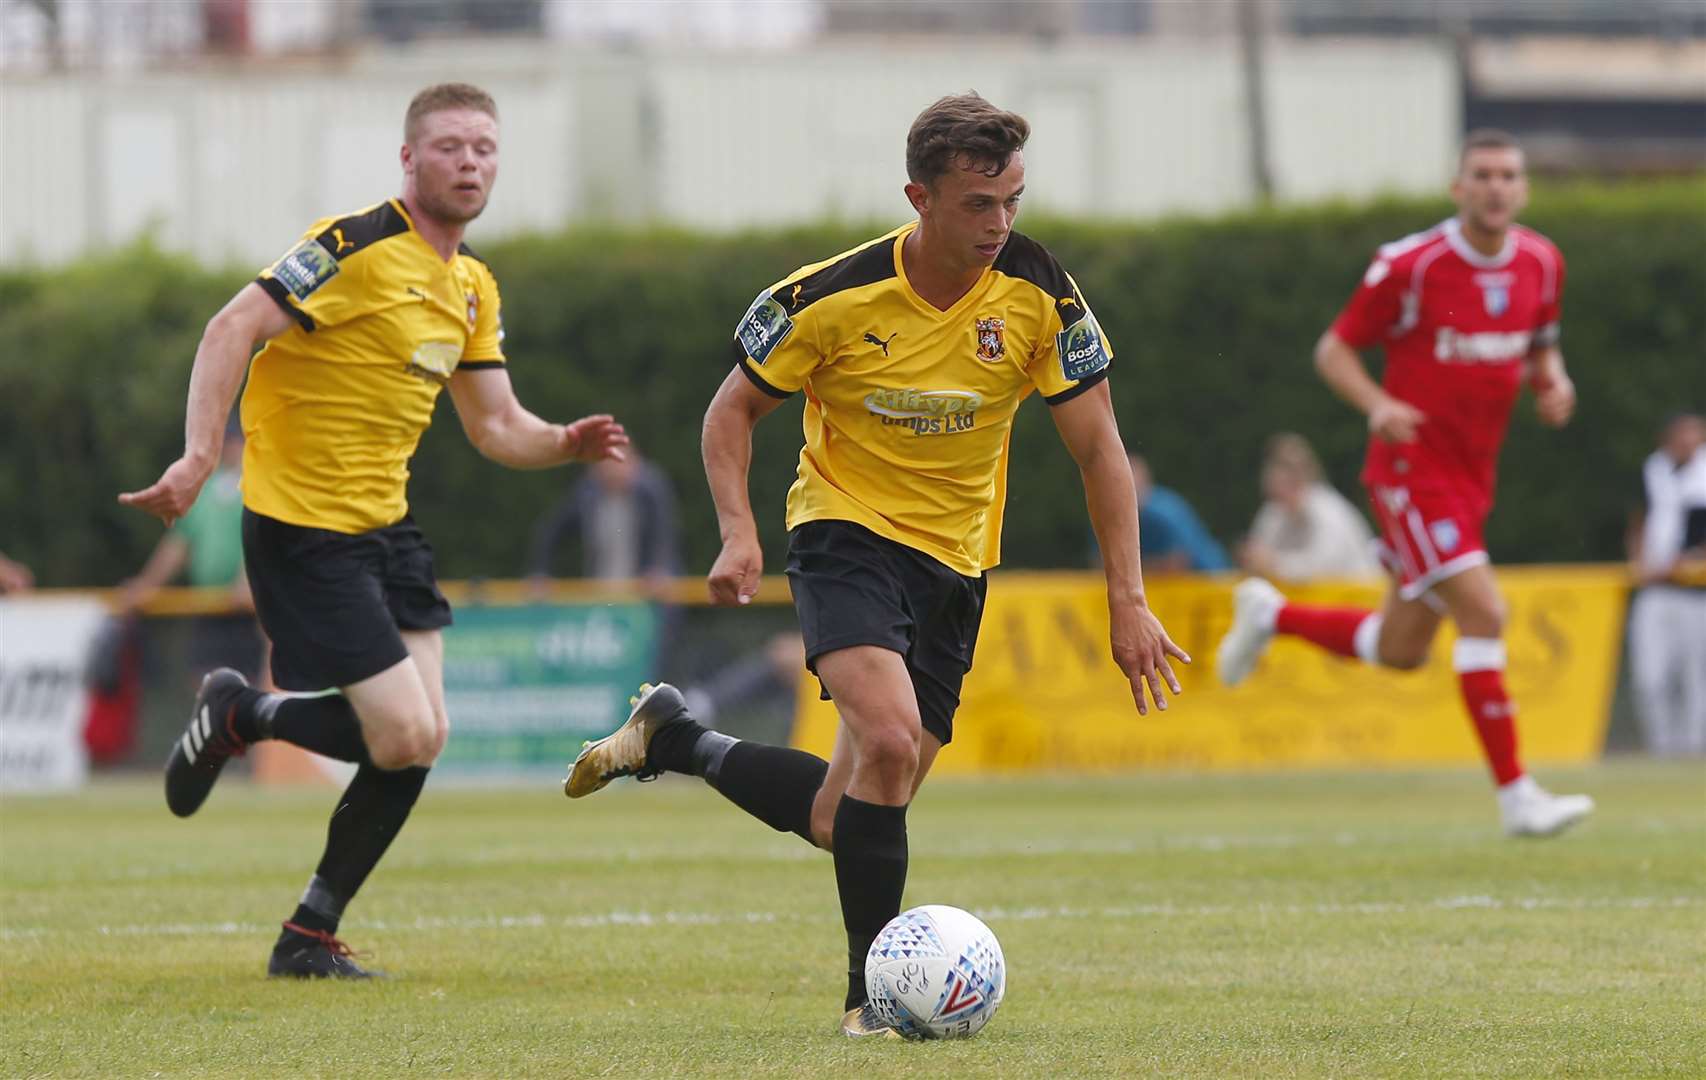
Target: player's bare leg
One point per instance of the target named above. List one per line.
(880, 724)
(841, 771)
(1477, 608)
(1405, 633)
(1399, 635)
(399, 718)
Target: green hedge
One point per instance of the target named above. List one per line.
(1213, 322)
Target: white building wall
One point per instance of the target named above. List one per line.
(231, 165)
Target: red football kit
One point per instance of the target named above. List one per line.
(1458, 327)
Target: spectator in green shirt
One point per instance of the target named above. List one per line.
(206, 546)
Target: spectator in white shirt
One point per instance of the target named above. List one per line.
(1304, 530)
(1667, 622)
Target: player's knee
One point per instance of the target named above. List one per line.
(398, 746)
(1402, 658)
(891, 751)
(1484, 619)
(436, 742)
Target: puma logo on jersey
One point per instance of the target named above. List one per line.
(794, 300)
(880, 343)
(1067, 301)
(338, 235)
(416, 292)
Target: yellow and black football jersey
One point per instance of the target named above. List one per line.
(336, 404)
(909, 408)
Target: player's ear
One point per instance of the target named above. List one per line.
(919, 196)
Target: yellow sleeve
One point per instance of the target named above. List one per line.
(485, 344)
(774, 349)
(1075, 356)
(311, 284)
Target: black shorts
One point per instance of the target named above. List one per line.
(853, 587)
(333, 602)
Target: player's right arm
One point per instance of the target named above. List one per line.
(1341, 368)
(1372, 311)
(220, 360)
(726, 443)
(775, 351)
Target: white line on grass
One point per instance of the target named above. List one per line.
(537, 921)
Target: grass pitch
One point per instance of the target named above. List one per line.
(1260, 926)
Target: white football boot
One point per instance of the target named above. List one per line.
(1527, 809)
(1255, 606)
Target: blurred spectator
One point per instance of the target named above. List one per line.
(14, 576)
(1667, 625)
(764, 680)
(1305, 529)
(206, 545)
(1171, 537)
(623, 515)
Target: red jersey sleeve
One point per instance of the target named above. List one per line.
(1548, 320)
(1373, 309)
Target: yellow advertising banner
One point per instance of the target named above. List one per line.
(1044, 694)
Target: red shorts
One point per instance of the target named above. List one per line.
(1427, 534)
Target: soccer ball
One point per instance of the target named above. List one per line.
(936, 972)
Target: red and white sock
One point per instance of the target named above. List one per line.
(1480, 664)
(1351, 632)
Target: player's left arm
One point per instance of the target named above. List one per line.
(1554, 390)
(1140, 644)
(502, 430)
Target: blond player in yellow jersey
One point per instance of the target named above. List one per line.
(365, 320)
(914, 351)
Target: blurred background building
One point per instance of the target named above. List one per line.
(220, 126)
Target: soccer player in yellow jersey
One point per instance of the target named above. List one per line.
(914, 351)
(365, 320)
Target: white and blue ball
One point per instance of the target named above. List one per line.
(936, 972)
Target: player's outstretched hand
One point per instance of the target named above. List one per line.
(735, 574)
(1555, 400)
(170, 497)
(594, 438)
(1141, 648)
(1395, 421)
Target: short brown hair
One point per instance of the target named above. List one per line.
(963, 126)
(1289, 450)
(1487, 139)
(450, 95)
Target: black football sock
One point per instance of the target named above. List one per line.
(870, 873)
(775, 784)
(672, 746)
(369, 815)
(319, 909)
(326, 724)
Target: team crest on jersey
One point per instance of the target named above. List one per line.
(305, 268)
(1495, 292)
(763, 327)
(1497, 299)
(1082, 350)
(1445, 536)
(990, 344)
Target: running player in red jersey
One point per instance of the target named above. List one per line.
(1468, 312)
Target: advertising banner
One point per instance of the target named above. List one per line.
(1044, 693)
(44, 704)
(524, 686)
